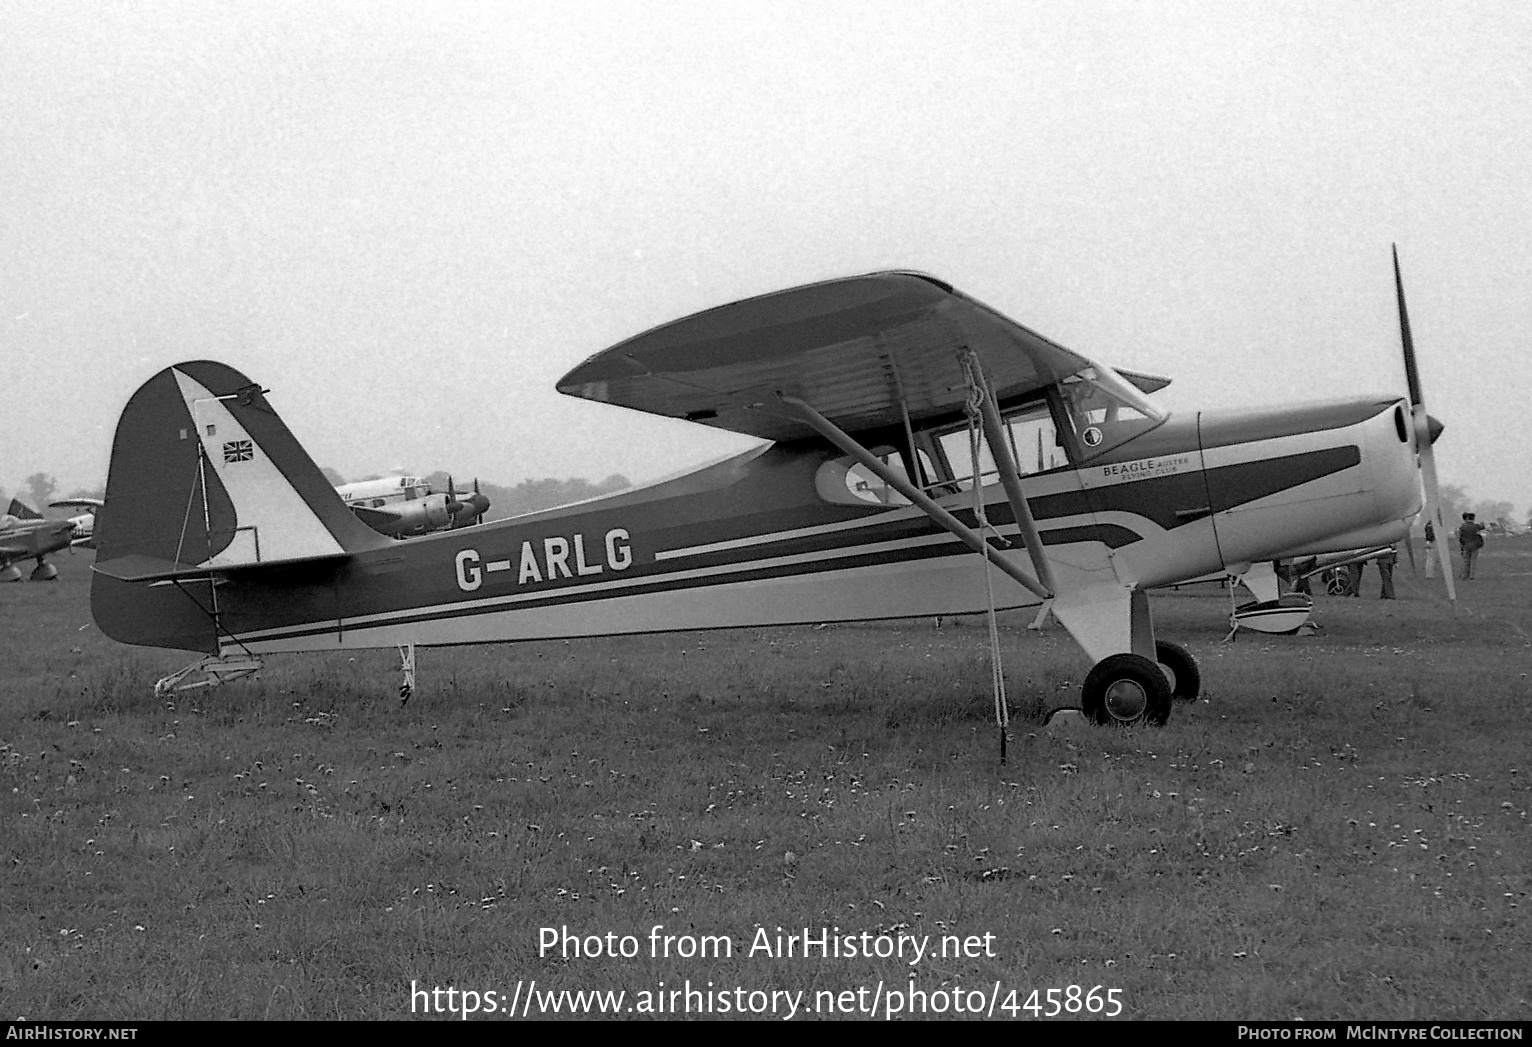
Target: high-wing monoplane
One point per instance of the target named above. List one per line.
(26, 535)
(924, 456)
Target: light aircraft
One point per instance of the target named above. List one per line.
(891, 486)
(25, 534)
(398, 506)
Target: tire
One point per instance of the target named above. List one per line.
(1126, 689)
(1185, 677)
(1335, 582)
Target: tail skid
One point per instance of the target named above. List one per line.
(209, 672)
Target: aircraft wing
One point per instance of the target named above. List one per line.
(849, 348)
(379, 516)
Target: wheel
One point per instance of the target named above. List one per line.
(1335, 581)
(1126, 689)
(1185, 677)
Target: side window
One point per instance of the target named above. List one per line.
(1033, 439)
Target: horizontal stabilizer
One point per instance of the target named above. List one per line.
(136, 567)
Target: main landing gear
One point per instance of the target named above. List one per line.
(1179, 665)
(43, 572)
(1126, 689)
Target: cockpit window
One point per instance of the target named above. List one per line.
(1031, 434)
(1104, 410)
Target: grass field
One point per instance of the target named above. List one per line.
(1339, 830)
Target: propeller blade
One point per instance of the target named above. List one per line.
(1434, 511)
(1406, 341)
(455, 505)
(1424, 438)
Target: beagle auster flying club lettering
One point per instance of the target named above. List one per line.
(1118, 472)
(922, 455)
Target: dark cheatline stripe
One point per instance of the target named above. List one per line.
(1233, 485)
(1111, 534)
(1166, 499)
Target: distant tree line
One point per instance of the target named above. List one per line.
(531, 495)
(1456, 502)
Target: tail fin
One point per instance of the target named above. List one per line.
(205, 478)
(21, 511)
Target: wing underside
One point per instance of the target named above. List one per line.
(375, 516)
(860, 351)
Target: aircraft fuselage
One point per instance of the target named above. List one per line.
(779, 535)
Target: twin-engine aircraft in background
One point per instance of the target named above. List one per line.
(26, 535)
(927, 456)
(400, 506)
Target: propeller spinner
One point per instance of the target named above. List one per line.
(466, 510)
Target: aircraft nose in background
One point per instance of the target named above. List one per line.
(1433, 428)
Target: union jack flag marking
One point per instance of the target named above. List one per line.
(238, 451)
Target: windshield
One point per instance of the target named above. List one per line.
(1104, 409)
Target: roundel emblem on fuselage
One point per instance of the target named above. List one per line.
(1091, 437)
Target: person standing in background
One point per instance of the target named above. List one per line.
(1470, 540)
(1353, 579)
(1386, 562)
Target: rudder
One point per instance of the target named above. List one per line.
(205, 478)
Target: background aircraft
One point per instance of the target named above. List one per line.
(893, 375)
(26, 534)
(400, 506)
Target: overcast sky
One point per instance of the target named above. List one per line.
(408, 221)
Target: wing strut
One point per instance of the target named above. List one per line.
(971, 538)
(995, 434)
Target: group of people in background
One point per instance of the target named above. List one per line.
(1385, 562)
(1470, 541)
